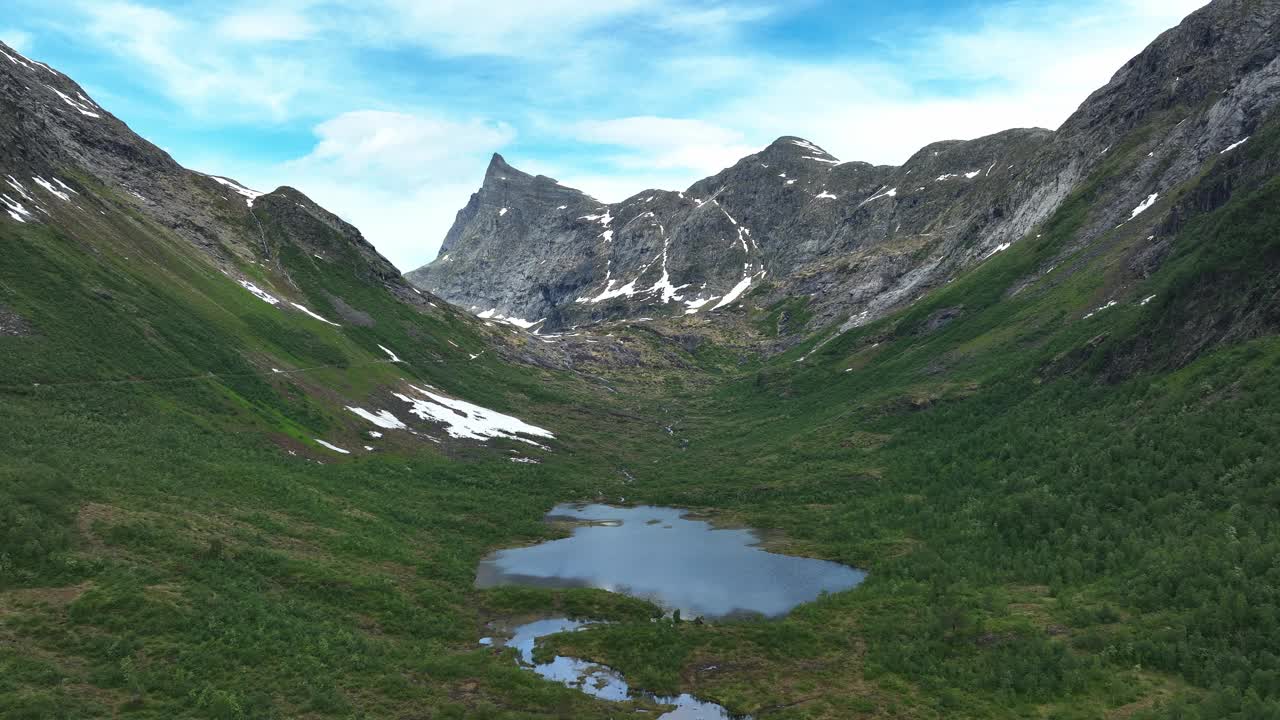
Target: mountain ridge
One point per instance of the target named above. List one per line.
(940, 212)
(1057, 464)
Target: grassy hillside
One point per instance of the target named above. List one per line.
(1060, 473)
(1067, 506)
(173, 541)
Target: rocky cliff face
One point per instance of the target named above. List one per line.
(860, 240)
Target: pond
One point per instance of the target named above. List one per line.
(670, 558)
(598, 680)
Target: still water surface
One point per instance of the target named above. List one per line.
(673, 560)
(663, 555)
(598, 680)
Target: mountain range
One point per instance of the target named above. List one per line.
(1029, 383)
(858, 240)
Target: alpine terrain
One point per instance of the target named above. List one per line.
(1022, 393)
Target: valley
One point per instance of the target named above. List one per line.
(251, 471)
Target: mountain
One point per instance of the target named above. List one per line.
(793, 221)
(124, 267)
(250, 472)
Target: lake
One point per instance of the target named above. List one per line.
(670, 558)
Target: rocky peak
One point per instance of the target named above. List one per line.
(859, 240)
(499, 171)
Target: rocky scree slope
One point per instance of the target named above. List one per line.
(858, 240)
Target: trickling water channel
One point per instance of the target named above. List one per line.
(598, 680)
(664, 556)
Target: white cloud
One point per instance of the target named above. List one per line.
(266, 25)
(613, 96)
(399, 177)
(1022, 66)
(389, 148)
(657, 143)
(542, 29)
(195, 69)
(17, 39)
(649, 132)
(405, 225)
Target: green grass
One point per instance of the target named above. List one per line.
(1062, 517)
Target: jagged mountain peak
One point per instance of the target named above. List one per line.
(500, 170)
(858, 240)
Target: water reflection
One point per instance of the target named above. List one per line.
(677, 562)
(598, 680)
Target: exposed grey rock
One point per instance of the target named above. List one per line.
(12, 324)
(862, 240)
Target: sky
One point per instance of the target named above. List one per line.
(387, 111)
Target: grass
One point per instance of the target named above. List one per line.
(1062, 517)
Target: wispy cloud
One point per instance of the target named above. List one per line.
(196, 68)
(658, 143)
(392, 149)
(17, 39)
(259, 25)
(392, 107)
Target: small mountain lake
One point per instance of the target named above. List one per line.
(666, 556)
(676, 561)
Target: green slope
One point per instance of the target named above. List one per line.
(1066, 511)
(1063, 516)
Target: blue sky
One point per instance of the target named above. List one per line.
(386, 111)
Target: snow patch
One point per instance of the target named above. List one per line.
(332, 447)
(503, 211)
(15, 209)
(249, 195)
(79, 107)
(259, 293)
(390, 354)
(733, 295)
(304, 309)
(999, 248)
(1145, 205)
(1108, 306)
(492, 314)
(811, 148)
(52, 190)
(465, 420)
(891, 192)
(604, 219)
(1147, 299)
(382, 418)
(693, 306)
(15, 61)
(824, 195)
(1233, 146)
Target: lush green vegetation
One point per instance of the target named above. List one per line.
(1063, 516)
